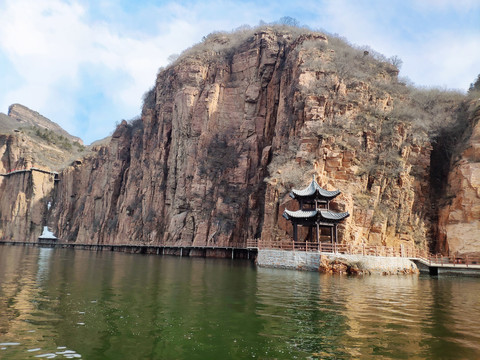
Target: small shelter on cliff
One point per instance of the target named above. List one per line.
(47, 236)
(314, 212)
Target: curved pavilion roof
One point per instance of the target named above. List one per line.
(314, 190)
(323, 215)
(332, 216)
(299, 214)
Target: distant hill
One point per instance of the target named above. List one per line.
(28, 139)
(234, 124)
(20, 116)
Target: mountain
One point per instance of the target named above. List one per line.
(241, 118)
(459, 210)
(20, 116)
(29, 140)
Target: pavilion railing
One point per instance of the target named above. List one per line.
(440, 260)
(388, 251)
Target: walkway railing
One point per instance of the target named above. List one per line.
(441, 260)
(17, 171)
(389, 251)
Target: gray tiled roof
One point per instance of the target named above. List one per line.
(299, 214)
(330, 215)
(307, 214)
(312, 189)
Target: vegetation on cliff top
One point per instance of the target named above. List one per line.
(428, 113)
(365, 109)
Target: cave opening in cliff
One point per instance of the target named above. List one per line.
(446, 146)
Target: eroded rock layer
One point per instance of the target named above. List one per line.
(239, 120)
(459, 219)
(192, 171)
(29, 140)
(24, 194)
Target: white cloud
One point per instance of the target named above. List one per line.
(48, 42)
(445, 55)
(464, 6)
(447, 60)
(87, 68)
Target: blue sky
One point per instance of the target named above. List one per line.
(86, 64)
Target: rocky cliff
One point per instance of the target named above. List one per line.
(459, 216)
(20, 116)
(29, 140)
(239, 120)
(22, 217)
(241, 109)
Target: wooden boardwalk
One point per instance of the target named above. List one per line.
(234, 252)
(21, 171)
(432, 264)
(372, 250)
(439, 264)
(463, 265)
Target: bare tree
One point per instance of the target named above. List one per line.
(289, 21)
(395, 61)
(475, 86)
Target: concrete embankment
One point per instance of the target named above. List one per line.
(438, 268)
(335, 263)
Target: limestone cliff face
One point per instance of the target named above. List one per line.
(28, 140)
(191, 172)
(22, 217)
(232, 126)
(225, 118)
(352, 136)
(24, 195)
(13, 153)
(459, 219)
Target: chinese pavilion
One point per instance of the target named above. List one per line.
(315, 211)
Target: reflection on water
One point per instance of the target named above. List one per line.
(58, 303)
(44, 255)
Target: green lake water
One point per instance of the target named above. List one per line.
(61, 303)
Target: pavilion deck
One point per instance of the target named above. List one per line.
(422, 256)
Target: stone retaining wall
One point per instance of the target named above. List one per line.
(311, 261)
(283, 259)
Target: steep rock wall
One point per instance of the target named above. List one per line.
(22, 218)
(14, 153)
(353, 136)
(24, 195)
(224, 135)
(192, 170)
(459, 218)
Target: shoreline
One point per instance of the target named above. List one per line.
(321, 262)
(188, 251)
(336, 263)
